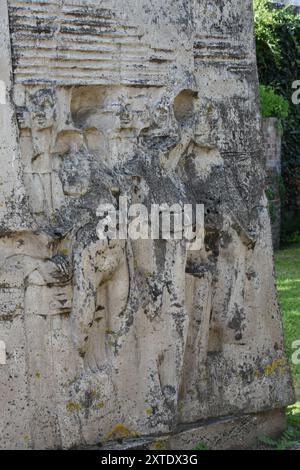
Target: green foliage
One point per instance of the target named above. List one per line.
(270, 24)
(267, 440)
(270, 196)
(267, 43)
(293, 417)
(286, 440)
(287, 266)
(291, 435)
(282, 188)
(287, 262)
(278, 58)
(272, 104)
(201, 446)
(290, 233)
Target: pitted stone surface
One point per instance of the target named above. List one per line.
(107, 340)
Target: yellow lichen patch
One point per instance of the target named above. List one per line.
(276, 364)
(121, 432)
(108, 331)
(148, 274)
(72, 407)
(180, 407)
(100, 405)
(64, 251)
(158, 445)
(149, 411)
(282, 371)
(37, 375)
(210, 109)
(257, 373)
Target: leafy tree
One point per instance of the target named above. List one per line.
(278, 57)
(273, 104)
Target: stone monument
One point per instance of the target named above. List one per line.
(134, 343)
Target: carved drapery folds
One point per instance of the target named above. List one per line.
(109, 339)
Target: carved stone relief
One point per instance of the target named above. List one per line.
(135, 339)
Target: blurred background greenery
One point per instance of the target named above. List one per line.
(277, 31)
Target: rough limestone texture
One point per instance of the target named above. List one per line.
(103, 341)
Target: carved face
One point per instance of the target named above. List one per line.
(42, 109)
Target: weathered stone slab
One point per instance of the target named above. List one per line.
(155, 101)
(13, 214)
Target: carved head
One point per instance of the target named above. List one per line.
(42, 109)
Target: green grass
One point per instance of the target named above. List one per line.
(293, 416)
(287, 262)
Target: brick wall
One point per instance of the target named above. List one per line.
(272, 149)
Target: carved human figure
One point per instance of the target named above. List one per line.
(171, 149)
(36, 120)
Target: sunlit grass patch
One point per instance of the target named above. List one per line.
(287, 263)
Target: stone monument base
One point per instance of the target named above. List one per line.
(228, 432)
